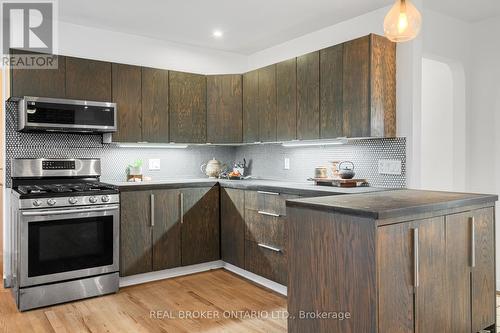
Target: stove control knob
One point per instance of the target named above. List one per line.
(37, 203)
(92, 199)
(72, 200)
(51, 202)
(105, 198)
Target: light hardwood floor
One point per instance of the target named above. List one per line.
(218, 293)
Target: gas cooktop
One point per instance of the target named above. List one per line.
(79, 188)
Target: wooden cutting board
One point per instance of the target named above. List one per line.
(355, 182)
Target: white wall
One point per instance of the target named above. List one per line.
(447, 40)
(437, 167)
(484, 117)
(85, 42)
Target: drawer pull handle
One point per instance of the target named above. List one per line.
(416, 259)
(152, 197)
(267, 213)
(275, 249)
(181, 196)
(473, 242)
(266, 192)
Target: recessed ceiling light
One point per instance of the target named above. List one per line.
(217, 33)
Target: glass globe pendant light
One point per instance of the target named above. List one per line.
(403, 22)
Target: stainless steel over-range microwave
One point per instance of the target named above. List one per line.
(65, 115)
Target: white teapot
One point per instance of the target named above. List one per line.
(212, 168)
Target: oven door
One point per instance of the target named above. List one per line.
(68, 243)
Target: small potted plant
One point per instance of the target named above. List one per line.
(134, 171)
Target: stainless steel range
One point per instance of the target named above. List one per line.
(65, 231)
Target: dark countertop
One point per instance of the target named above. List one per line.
(297, 188)
(393, 204)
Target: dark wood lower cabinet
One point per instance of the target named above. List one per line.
(200, 225)
(483, 270)
(417, 276)
(267, 262)
(135, 233)
(161, 229)
(232, 221)
(166, 229)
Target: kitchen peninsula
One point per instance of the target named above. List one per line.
(396, 261)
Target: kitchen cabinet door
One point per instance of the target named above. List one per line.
(251, 106)
(127, 96)
(331, 113)
(232, 226)
(458, 266)
(135, 232)
(286, 92)
(308, 96)
(483, 272)
(224, 109)
(200, 225)
(88, 80)
(267, 104)
(395, 278)
(400, 247)
(39, 82)
(188, 112)
(167, 229)
(154, 105)
(356, 88)
(431, 302)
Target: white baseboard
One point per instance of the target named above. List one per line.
(186, 270)
(169, 273)
(279, 288)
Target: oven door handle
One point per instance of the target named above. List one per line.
(70, 211)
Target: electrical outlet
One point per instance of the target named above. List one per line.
(389, 167)
(154, 164)
(287, 163)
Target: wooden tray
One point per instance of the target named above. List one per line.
(337, 182)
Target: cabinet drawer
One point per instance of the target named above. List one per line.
(267, 202)
(267, 262)
(265, 229)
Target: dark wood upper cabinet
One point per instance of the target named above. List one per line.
(88, 79)
(135, 233)
(166, 229)
(224, 109)
(369, 87)
(232, 221)
(331, 106)
(155, 105)
(308, 96)
(188, 112)
(286, 92)
(39, 82)
(267, 104)
(251, 106)
(200, 225)
(127, 96)
(356, 88)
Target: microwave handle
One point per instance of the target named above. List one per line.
(69, 211)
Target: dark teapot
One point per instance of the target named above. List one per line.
(346, 170)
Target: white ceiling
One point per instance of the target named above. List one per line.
(248, 25)
(467, 10)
